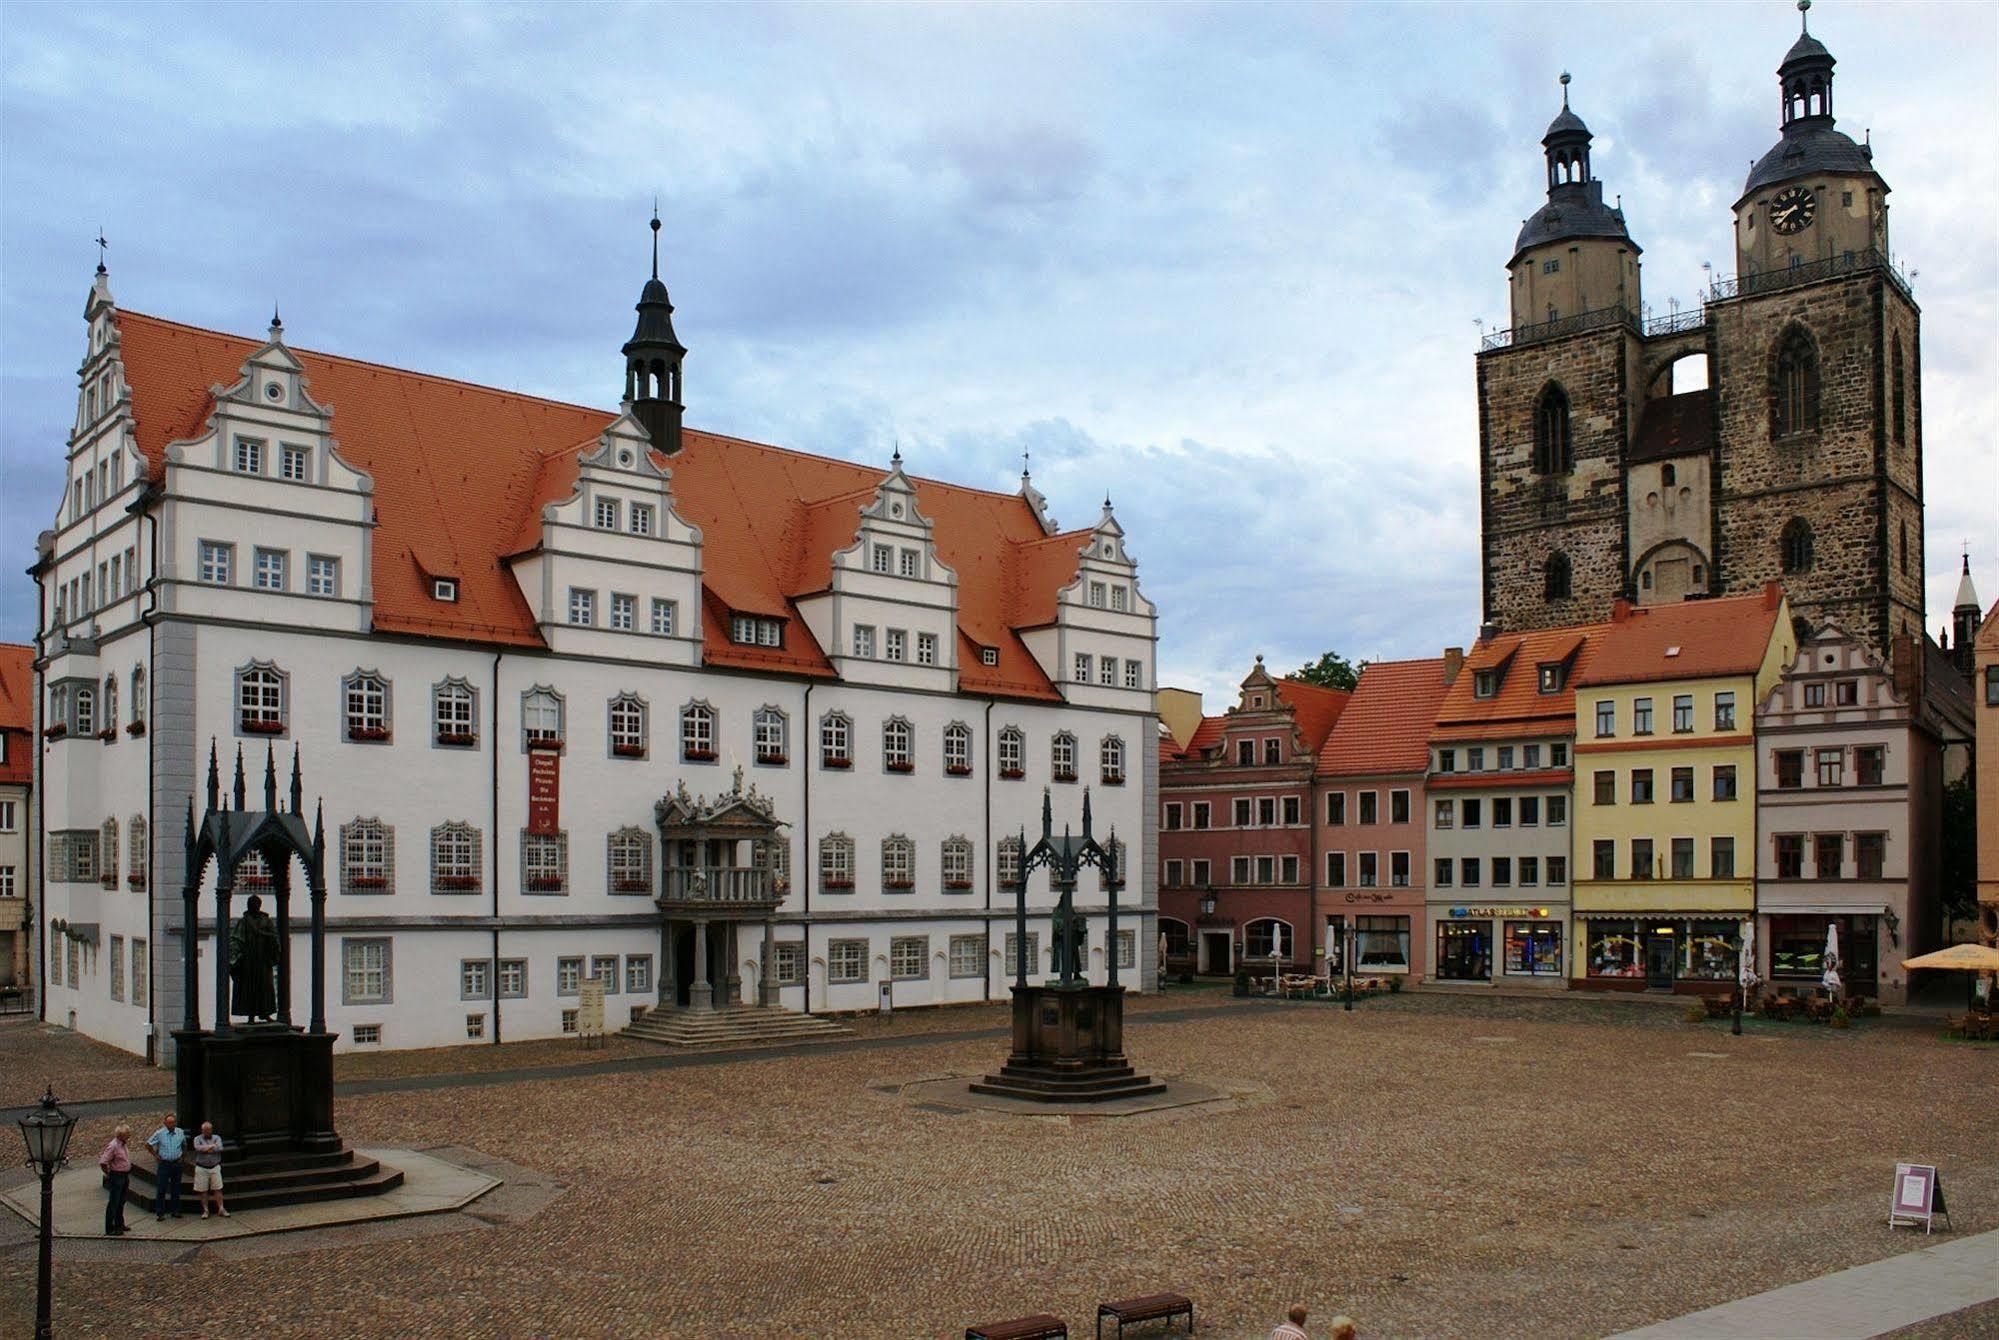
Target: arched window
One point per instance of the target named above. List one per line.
(454, 713)
(836, 862)
(898, 863)
(139, 698)
(1668, 476)
(773, 736)
(1179, 941)
(697, 733)
(1111, 756)
(107, 854)
(957, 864)
(1794, 406)
(365, 695)
(1012, 753)
(1266, 937)
(86, 711)
(1901, 403)
(957, 750)
(1555, 577)
(898, 745)
(260, 699)
(628, 726)
(454, 858)
(628, 858)
(1119, 854)
(367, 856)
(1795, 547)
(1552, 455)
(136, 847)
(111, 709)
(1062, 756)
(836, 740)
(1007, 868)
(541, 717)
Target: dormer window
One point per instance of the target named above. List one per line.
(911, 563)
(989, 656)
(294, 463)
(607, 514)
(882, 558)
(1485, 684)
(750, 630)
(249, 456)
(640, 519)
(1551, 677)
(445, 589)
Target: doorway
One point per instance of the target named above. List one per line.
(1215, 953)
(683, 962)
(1659, 960)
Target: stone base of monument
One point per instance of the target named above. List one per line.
(1068, 1047)
(268, 1088)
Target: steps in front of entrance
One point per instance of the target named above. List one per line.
(733, 1026)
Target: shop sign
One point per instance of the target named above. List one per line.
(1918, 1197)
(544, 792)
(1499, 912)
(1369, 896)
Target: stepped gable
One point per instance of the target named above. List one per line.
(1385, 726)
(17, 712)
(461, 473)
(1519, 707)
(1690, 640)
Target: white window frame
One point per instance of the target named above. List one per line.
(322, 576)
(271, 569)
(664, 617)
(218, 563)
(582, 607)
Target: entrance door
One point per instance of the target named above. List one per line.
(683, 962)
(1215, 952)
(1659, 961)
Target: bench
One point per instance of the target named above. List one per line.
(1040, 1326)
(1151, 1307)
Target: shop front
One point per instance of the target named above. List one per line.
(1661, 952)
(1796, 943)
(1520, 945)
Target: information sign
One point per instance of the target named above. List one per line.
(1918, 1197)
(590, 1009)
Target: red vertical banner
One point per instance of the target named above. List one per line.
(544, 792)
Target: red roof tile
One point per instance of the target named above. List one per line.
(1519, 707)
(1689, 640)
(1315, 709)
(1385, 727)
(461, 472)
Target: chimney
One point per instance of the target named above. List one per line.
(1620, 610)
(1454, 661)
(1906, 659)
(1487, 631)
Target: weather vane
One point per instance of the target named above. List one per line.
(102, 245)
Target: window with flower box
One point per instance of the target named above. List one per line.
(1112, 758)
(1062, 756)
(773, 736)
(454, 858)
(898, 745)
(136, 877)
(898, 864)
(836, 863)
(454, 714)
(628, 726)
(957, 750)
(836, 740)
(544, 863)
(137, 725)
(1006, 868)
(86, 711)
(109, 730)
(260, 699)
(629, 858)
(367, 856)
(697, 733)
(365, 697)
(107, 857)
(957, 864)
(541, 718)
(1012, 753)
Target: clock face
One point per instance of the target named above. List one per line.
(1791, 212)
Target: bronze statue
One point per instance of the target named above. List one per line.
(253, 963)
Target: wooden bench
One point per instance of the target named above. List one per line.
(1151, 1307)
(1040, 1326)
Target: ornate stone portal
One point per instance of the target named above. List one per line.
(1068, 1035)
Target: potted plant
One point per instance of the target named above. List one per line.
(1242, 979)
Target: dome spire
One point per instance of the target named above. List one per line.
(655, 237)
(653, 357)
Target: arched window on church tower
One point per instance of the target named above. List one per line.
(1555, 577)
(1794, 404)
(1901, 403)
(1551, 432)
(1795, 546)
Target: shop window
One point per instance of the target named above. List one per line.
(1533, 949)
(1267, 938)
(1710, 951)
(1614, 950)
(1464, 951)
(1381, 944)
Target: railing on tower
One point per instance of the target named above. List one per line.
(1619, 315)
(1810, 272)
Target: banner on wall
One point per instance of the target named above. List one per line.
(544, 792)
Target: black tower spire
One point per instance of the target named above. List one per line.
(652, 361)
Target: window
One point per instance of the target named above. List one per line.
(1724, 711)
(1682, 783)
(624, 612)
(1398, 807)
(898, 745)
(1470, 813)
(607, 514)
(926, 648)
(1244, 812)
(139, 972)
(1484, 683)
(662, 617)
(269, 574)
(1398, 869)
(249, 456)
(1642, 864)
(475, 979)
(1794, 404)
(1369, 806)
(1790, 856)
(1441, 871)
(1831, 764)
(1013, 953)
(1641, 786)
(1606, 720)
(1007, 867)
(1505, 757)
(1382, 943)
(454, 858)
(1815, 695)
(1134, 675)
(836, 734)
(1992, 686)
(1200, 812)
(846, 961)
(1336, 869)
(322, 575)
(1111, 755)
(454, 713)
(86, 711)
(365, 975)
(988, 656)
(836, 862)
(568, 977)
(444, 589)
(1475, 759)
(1245, 753)
(1847, 692)
(1556, 584)
(1120, 598)
(218, 563)
(365, 696)
(1267, 938)
(604, 968)
(1603, 855)
(750, 630)
(1012, 748)
(957, 750)
(895, 646)
(1083, 663)
(790, 962)
(864, 641)
(1530, 871)
(639, 518)
(545, 862)
(136, 848)
(1795, 546)
(1790, 769)
(1641, 716)
(909, 563)
(1468, 872)
(1828, 854)
(957, 863)
(1370, 868)
(909, 958)
(367, 852)
(1336, 808)
(898, 863)
(697, 733)
(1551, 432)
(1107, 671)
(1683, 713)
(772, 733)
(1446, 814)
(107, 859)
(1062, 756)
(1502, 872)
(638, 973)
(1724, 781)
(1683, 858)
(138, 702)
(582, 607)
(968, 955)
(541, 718)
(1293, 811)
(628, 726)
(1869, 764)
(1530, 811)
(1869, 851)
(513, 978)
(294, 463)
(628, 859)
(260, 700)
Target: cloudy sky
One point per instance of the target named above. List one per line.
(1224, 262)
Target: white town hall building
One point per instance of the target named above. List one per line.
(431, 590)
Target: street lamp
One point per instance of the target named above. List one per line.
(46, 1132)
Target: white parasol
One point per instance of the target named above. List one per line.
(1745, 971)
(1830, 978)
(1333, 960)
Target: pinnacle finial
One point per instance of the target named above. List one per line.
(242, 790)
(277, 322)
(270, 779)
(655, 237)
(102, 246)
(1565, 90)
(214, 777)
(1804, 23)
(1024, 465)
(298, 788)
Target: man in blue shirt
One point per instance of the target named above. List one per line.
(168, 1143)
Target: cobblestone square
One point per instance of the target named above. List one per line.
(1433, 1165)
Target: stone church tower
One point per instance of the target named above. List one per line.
(1800, 461)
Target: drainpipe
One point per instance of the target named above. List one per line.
(152, 818)
(493, 744)
(986, 855)
(803, 867)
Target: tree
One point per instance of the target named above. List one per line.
(1960, 844)
(1331, 671)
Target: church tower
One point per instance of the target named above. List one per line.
(652, 362)
(1556, 397)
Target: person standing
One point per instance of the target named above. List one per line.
(1293, 1328)
(1344, 1329)
(208, 1169)
(168, 1144)
(116, 1161)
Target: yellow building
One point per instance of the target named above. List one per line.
(1664, 871)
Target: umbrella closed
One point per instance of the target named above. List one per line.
(1829, 979)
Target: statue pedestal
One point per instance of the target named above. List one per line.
(1068, 1047)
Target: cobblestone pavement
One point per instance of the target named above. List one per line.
(1434, 1166)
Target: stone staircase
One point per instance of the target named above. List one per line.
(288, 1177)
(731, 1026)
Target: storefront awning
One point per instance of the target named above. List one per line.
(1680, 914)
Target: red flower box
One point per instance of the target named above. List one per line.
(372, 734)
(552, 745)
(837, 761)
(1011, 774)
(136, 728)
(459, 883)
(545, 884)
(837, 884)
(135, 881)
(902, 767)
(898, 884)
(251, 726)
(628, 751)
(630, 886)
(254, 882)
(957, 770)
(456, 737)
(698, 755)
(1113, 781)
(368, 882)
(108, 734)
(957, 883)
(774, 760)
(1065, 776)
(108, 882)
(55, 732)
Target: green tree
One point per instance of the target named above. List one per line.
(1960, 846)
(1330, 671)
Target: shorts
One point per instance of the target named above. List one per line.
(207, 1179)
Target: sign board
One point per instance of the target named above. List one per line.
(590, 1008)
(544, 792)
(1499, 911)
(888, 995)
(1918, 1197)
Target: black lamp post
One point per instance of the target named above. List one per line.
(1346, 960)
(46, 1132)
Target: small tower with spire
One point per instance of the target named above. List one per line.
(1965, 616)
(653, 357)
(1574, 255)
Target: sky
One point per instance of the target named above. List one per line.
(1227, 264)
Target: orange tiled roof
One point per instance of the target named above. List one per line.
(1688, 640)
(1386, 725)
(1519, 707)
(17, 711)
(1314, 708)
(461, 473)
